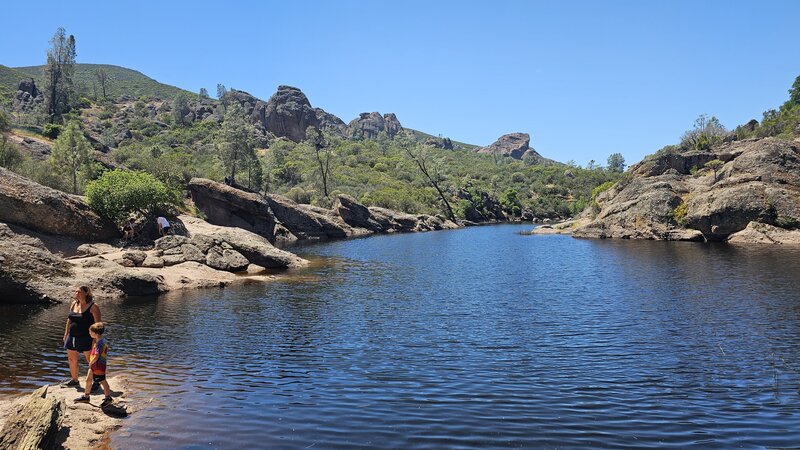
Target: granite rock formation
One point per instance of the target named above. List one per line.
(515, 145)
(671, 196)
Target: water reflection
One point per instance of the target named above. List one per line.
(471, 338)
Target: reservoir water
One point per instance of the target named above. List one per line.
(472, 338)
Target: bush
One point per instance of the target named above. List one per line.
(118, 194)
(679, 214)
(602, 188)
(299, 195)
(51, 130)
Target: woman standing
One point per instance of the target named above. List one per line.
(82, 314)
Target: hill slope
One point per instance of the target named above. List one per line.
(10, 78)
(122, 81)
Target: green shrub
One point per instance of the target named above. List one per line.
(679, 214)
(51, 130)
(299, 195)
(602, 188)
(118, 194)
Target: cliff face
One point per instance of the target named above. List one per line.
(673, 196)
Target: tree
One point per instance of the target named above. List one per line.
(591, 165)
(9, 154)
(794, 92)
(706, 132)
(118, 194)
(71, 153)
(715, 165)
(221, 91)
(430, 167)
(180, 108)
(322, 145)
(235, 140)
(101, 75)
(203, 93)
(58, 88)
(616, 163)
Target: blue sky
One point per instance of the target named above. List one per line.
(584, 78)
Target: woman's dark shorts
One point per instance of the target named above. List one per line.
(79, 344)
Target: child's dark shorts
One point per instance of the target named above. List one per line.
(98, 378)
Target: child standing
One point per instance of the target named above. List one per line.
(97, 364)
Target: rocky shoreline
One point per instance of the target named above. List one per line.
(51, 241)
(49, 418)
(752, 198)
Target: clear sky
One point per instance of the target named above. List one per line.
(583, 78)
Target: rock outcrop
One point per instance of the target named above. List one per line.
(40, 208)
(27, 96)
(292, 221)
(671, 196)
(369, 125)
(24, 264)
(444, 143)
(228, 206)
(287, 114)
(35, 424)
(330, 123)
(515, 145)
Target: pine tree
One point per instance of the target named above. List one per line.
(71, 153)
(235, 141)
(58, 88)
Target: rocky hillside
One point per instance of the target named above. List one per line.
(121, 81)
(752, 196)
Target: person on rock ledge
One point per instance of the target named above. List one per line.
(83, 312)
(97, 365)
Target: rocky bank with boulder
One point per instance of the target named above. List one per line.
(279, 219)
(48, 418)
(51, 241)
(754, 197)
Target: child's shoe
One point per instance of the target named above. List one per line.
(82, 399)
(106, 401)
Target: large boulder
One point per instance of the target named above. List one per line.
(229, 260)
(231, 207)
(34, 424)
(125, 282)
(672, 196)
(25, 265)
(257, 249)
(762, 233)
(287, 114)
(515, 145)
(353, 213)
(305, 222)
(40, 208)
(368, 125)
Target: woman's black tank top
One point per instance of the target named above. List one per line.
(79, 323)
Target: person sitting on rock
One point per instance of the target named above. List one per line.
(163, 226)
(97, 365)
